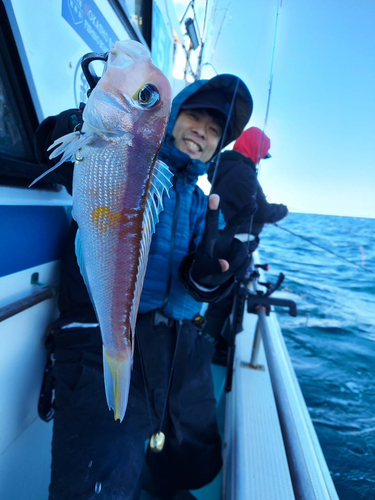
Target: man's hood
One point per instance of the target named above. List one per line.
(242, 109)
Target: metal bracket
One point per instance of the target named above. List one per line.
(253, 367)
(35, 281)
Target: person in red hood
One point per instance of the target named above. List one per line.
(235, 181)
(254, 144)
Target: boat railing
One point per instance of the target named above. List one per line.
(302, 485)
(45, 292)
(299, 473)
(272, 450)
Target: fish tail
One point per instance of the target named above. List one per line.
(117, 371)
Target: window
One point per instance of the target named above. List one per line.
(11, 140)
(18, 119)
(140, 13)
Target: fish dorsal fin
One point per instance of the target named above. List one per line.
(160, 182)
(68, 145)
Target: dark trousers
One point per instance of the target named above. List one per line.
(216, 315)
(92, 453)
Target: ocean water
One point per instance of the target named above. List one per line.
(332, 341)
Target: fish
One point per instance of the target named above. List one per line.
(118, 188)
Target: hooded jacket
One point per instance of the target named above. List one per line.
(236, 183)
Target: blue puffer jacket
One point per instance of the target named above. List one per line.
(179, 230)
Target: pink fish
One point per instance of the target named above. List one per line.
(118, 185)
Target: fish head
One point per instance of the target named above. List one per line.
(132, 97)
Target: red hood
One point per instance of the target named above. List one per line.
(250, 142)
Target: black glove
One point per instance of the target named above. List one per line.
(220, 244)
(49, 130)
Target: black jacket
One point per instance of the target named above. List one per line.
(236, 183)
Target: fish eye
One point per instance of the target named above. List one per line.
(148, 96)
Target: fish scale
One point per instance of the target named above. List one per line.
(116, 280)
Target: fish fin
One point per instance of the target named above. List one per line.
(82, 266)
(160, 182)
(81, 257)
(68, 145)
(117, 372)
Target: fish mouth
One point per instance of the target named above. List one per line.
(130, 56)
(193, 146)
(127, 52)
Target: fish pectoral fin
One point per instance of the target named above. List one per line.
(117, 372)
(68, 145)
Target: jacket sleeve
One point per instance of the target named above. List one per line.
(239, 189)
(268, 212)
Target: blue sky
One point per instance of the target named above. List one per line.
(322, 115)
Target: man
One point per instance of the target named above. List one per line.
(235, 181)
(171, 387)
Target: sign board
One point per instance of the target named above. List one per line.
(52, 45)
(90, 24)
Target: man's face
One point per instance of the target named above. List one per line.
(197, 134)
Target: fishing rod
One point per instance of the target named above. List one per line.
(267, 110)
(223, 137)
(242, 294)
(325, 249)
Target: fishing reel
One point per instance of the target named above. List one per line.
(263, 299)
(254, 301)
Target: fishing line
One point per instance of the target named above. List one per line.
(160, 427)
(204, 22)
(221, 27)
(224, 135)
(268, 101)
(270, 79)
(272, 64)
(212, 66)
(138, 342)
(170, 376)
(266, 116)
(324, 248)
